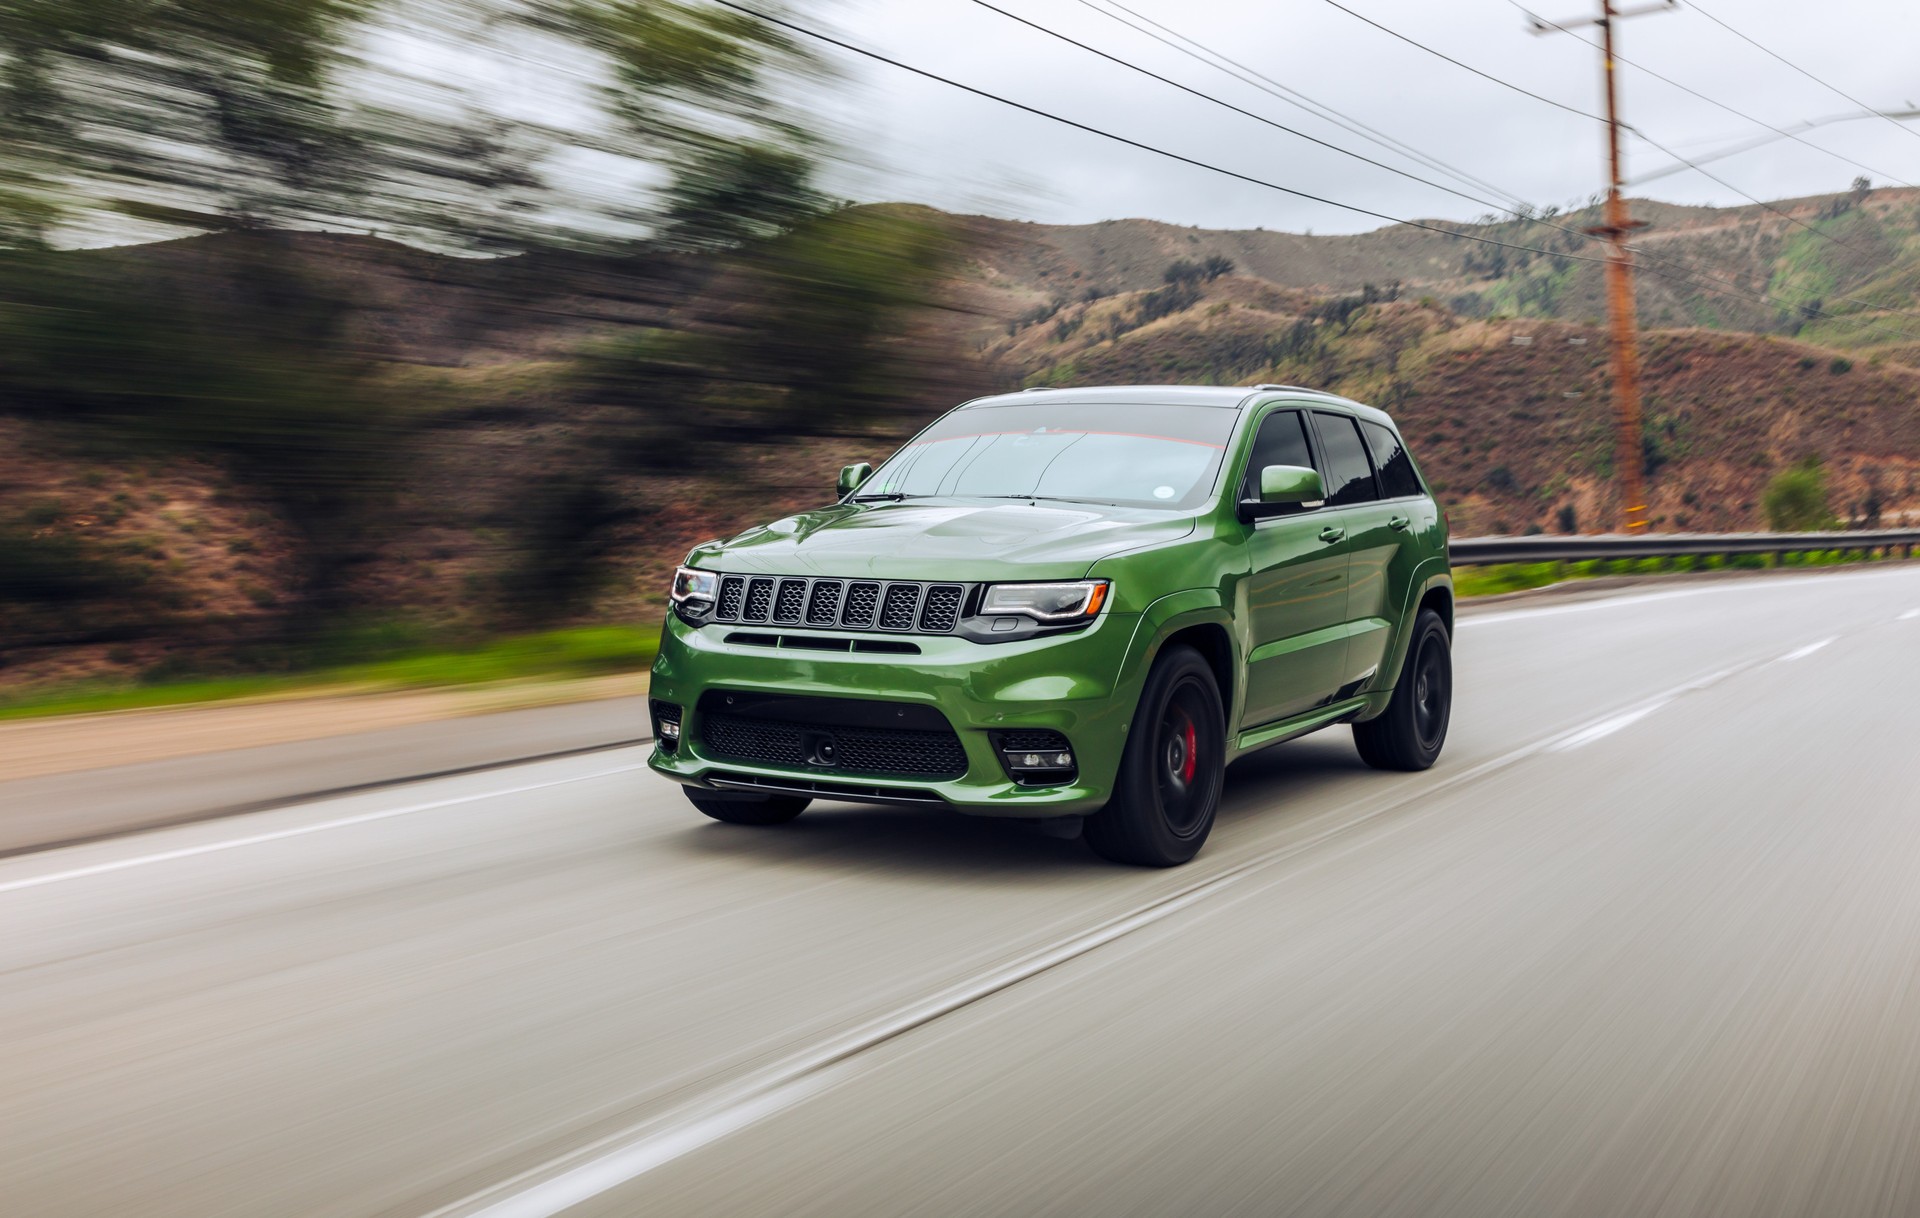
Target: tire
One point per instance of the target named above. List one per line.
(747, 809)
(1172, 770)
(1410, 733)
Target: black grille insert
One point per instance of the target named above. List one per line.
(831, 735)
(941, 612)
(733, 593)
(863, 604)
(792, 600)
(759, 601)
(896, 612)
(823, 607)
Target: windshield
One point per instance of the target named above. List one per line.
(1134, 455)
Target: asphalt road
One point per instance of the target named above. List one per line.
(1646, 942)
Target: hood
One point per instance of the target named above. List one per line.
(943, 539)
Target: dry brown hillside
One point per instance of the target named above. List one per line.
(1508, 411)
(1512, 418)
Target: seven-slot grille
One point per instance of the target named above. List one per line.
(897, 606)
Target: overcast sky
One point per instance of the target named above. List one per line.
(923, 141)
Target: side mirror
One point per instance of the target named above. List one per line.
(1285, 487)
(852, 476)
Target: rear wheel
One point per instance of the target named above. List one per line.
(1409, 734)
(745, 808)
(1171, 773)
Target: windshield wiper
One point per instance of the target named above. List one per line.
(884, 497)
(1051, 499)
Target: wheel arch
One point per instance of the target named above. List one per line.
(1197, 618)
(1438, 597)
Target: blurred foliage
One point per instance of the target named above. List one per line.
(590, 651)
(1496, 578)
(794, 342)
(253, 376)
(218, 107)
(711, 296)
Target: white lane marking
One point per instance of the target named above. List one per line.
(1605, 728)
(254, 839)
(1615, 602)
(620, 1158)
(1909, 615)
(1804, 652)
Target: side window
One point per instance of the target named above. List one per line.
(1282, 440)
(1349, 474)
(1397, 479)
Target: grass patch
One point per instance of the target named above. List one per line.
(584, 652)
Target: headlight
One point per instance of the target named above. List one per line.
(1053, 604)
(692, 585)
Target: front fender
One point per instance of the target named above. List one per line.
(1178, 611)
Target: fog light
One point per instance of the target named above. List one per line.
(670, 730)
(1036, 757)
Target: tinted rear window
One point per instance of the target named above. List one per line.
(1349, 474)
(1397, 478)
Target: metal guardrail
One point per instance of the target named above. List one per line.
(1479, 551)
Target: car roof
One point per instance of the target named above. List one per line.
(1218, 397)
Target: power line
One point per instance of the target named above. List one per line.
(1517, 214)
(1535, 17)
(1506, 84)
(1438, 54)
(1261, 118)
(830, 40)
(1205, 50)
(1235, 174)
(1810, 76)
(1253, 77)
(1788, 216)
(1705, 173)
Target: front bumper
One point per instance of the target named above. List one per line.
(1083, 685)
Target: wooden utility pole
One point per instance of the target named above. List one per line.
(1629, 457)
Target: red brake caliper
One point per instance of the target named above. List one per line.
(1193, 757)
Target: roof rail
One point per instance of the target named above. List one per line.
(1297, 388)
(1036, 389)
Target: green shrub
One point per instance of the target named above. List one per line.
(1796, 499)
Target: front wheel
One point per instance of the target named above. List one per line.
(1171, 773)
(1409, 733)
(746, 808)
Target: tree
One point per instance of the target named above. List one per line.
(217, 113)
(796, 336)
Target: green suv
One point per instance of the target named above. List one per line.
(1076, 603)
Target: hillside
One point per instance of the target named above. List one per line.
(1498, 373)
(1702, 267)
(1512, 419)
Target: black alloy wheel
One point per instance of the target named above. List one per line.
(1410, 733)
(1173, 770)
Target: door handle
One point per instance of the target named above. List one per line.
(1399, 524)
(1332, 532)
